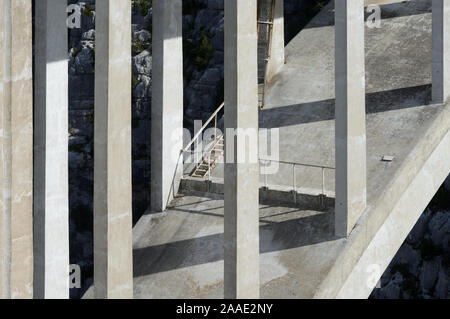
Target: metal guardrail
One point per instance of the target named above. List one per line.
(214, 117)
(294, 176)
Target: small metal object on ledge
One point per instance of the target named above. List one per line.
(387, 158)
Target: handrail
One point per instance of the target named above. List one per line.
(199, 133)
(297, 164)
(294, 177)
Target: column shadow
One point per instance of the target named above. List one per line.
(278, 231)
(324, 110)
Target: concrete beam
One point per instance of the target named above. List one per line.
(113, 253)
(441, 51)
(51, 180)
(167, 102)
(241, 277)
(277, 56)
(16, 150)
(350, 115)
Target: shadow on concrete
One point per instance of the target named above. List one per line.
(278, 231)
(325, 18)
(377, 102)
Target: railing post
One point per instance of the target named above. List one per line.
(294, 181)
(265, 175)
(323, 181)
(323, 187)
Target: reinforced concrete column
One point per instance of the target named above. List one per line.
(113, 253)
(350, 115)
(16, 150)
(241, 237)
(277, 57)
(441, 51)
(167, 103)
(51, 183)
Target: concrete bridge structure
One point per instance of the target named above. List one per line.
(362, 117)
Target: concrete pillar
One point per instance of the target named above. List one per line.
(113, 253)
(167, 102)
(441, 50)
(350, 115)
(241, 277)
(51, 183)
(16, 150)
(277, 57)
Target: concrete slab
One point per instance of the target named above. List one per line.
(179, 254)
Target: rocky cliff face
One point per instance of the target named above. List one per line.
(421, 267)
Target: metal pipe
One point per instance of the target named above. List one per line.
(294, 181)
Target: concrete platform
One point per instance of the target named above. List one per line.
(179, 254)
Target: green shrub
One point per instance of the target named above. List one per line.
(88, 10)
(134, 82)
(201, 53)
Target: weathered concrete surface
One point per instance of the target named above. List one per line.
(167, 103)
(241, 232)
(16, 150)
(179, 254)
(350, 115)
(51, 176)
(112, 146)
(385, 243)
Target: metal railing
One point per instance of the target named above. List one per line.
(215, 117)
(294, 165)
